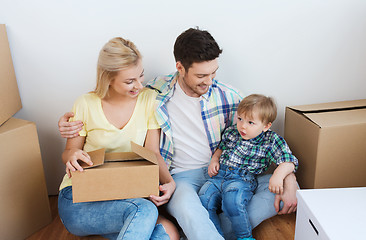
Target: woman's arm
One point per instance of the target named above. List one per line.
(73, 152)
(152, 143)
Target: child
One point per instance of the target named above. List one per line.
(244, 152)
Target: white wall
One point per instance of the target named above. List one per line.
(300, 52)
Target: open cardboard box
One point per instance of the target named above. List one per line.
(329, 140)
(117, 175)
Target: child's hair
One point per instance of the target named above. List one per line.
(265, 107)
(195, 46)
(117, 54)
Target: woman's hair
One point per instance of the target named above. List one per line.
(195, 46)
(264, 106)
(117, 54)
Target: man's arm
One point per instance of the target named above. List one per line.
(69, 129)
(288, 197)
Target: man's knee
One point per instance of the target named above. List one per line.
(261, 206)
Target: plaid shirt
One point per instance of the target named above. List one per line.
(218, 110)
(255, 154)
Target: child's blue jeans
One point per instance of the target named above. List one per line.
(118, 219)
(231, 189)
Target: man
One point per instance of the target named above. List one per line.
(193, 109)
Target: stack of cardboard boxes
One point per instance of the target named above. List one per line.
(24, 205)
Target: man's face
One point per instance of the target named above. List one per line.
(198, 78)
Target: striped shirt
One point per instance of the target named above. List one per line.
(218, 111)
(255, 154)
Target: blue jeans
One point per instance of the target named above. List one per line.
(230, 190)
(193, 218)
(117, 219)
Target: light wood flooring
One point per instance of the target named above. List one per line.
(281, 227)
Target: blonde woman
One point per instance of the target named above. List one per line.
(118, 111)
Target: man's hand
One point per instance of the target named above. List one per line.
(288, 197)
(167, 189)
(69, 129)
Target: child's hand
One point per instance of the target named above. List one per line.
(276, 184)
(213, 168)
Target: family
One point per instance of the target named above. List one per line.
(213, 148)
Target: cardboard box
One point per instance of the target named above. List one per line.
(9, 94)
(117, 175)
(24, 204)
(336, 213)
(330, 142)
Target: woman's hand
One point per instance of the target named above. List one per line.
(167, 190)
(73, 155)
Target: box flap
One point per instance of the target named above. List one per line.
(332, 106)
(144, 152)
(121, 156)
(338, 118)
(97, 157)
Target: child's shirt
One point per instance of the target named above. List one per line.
(255, 154)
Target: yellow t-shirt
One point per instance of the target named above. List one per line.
(100, 133)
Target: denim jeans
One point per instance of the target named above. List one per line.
(230, 190)
(116, 219)
(193, 218)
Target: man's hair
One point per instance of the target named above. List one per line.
(195, 46)
(263, 105)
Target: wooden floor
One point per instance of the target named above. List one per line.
(281, 227)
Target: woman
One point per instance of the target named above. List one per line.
(118, 111)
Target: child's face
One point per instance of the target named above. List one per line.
(251, 127)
